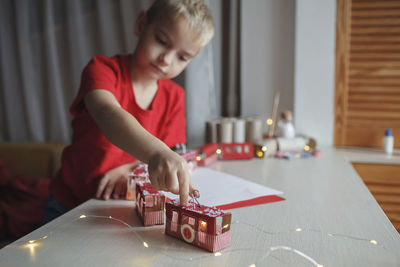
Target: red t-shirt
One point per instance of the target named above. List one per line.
(90, 154)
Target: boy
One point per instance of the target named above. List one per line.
(127, 109)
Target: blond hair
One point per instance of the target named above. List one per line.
(196, 12)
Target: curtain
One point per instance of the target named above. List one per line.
(231, 59)
(44, 46)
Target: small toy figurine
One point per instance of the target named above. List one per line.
(149, 204)
(207, 154)
(236, 151)
(202, 226)
(286, 128)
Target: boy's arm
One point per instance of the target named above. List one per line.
(167, 170)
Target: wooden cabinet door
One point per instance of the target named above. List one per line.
(384, 183)
(367, 89)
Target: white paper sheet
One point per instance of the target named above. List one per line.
(218, 188)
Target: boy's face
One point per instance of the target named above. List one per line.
(165, 48)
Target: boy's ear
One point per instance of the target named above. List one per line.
(140, 24)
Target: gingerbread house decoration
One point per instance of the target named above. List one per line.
(199, 225)
(149, 204)
(140, 173)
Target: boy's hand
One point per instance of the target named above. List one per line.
(114, 182)
(169, 172)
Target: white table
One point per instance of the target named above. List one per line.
(329, 218)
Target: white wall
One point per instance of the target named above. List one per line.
(289, 45)
(267, 55)
(315, 68)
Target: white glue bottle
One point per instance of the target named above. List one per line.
(388, 142)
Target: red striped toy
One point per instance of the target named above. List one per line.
(149, 204)
(199, 225)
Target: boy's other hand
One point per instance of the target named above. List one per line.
(113, 183)
(169, 172)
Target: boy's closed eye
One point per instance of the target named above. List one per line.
(183, 58)
(160, 40)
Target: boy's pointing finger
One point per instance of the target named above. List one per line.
(184, 182)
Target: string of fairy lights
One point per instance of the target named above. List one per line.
(34, 244)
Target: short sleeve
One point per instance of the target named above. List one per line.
(100, 73)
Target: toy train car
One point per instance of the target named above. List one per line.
(149, 204)
(202, 226)
(230, 151)
(207, 154)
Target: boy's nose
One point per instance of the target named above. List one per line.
(165, 58)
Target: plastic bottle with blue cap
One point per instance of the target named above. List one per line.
(388, 142)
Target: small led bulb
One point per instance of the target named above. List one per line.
(373, 242)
